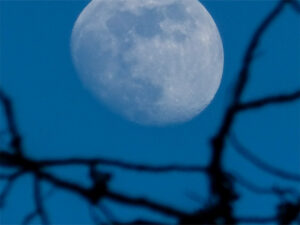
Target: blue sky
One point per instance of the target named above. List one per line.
(59, 118)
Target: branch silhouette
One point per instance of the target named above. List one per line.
(275, 190)
(243, 151)
(272, 100)
(123, 165)
(27, 219)
(220, 207)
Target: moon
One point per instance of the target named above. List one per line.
(154, 62)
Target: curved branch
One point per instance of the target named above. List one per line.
(261, 164)
(278, 99)
(263, 190)
(231, 113)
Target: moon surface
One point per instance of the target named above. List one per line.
(155, 62)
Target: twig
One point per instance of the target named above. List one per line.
(35, 212)
(219, 138)
(221, 187)
(278, 99)
(263, 190)
(10, 181)
(11, 123)
(93, 196)
(39, 202)
(121, 164)
(243, 151)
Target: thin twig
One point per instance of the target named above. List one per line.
(263, 190)
(92, 197)
(35, 212)
(11, 123)
(39, 202)
(10, 182)
(278, 99)
(243, 151)
(120, 164)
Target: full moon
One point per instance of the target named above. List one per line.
(155, 62)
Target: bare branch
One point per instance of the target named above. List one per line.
(93, 196)
(261, 164)
(120, 164)
(264, 190)
(39, 202)
(221, 186)
(35, 212)
(255, 41)
(279, 99)
(220, 209)
(145, 203)
(11, 123)
(10, 182)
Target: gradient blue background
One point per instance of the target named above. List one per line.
(59, 118)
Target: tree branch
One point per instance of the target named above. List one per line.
(39, 202)
(10, 181)
(120, 164)
(11, 123)
(278, 99)
(261, 164)
(94, 195)
(264, 190)
(35, 212)
(221, 186)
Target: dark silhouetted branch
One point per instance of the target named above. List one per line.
(94, 196)
(35, 212)
(219, 209)
(279, 99)
(10, 181)
(39, 202)
(264, 190)
(11, 123)
(120, 164)
(145, 203)
(261, 164)
(219, 139)
(221, 186)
